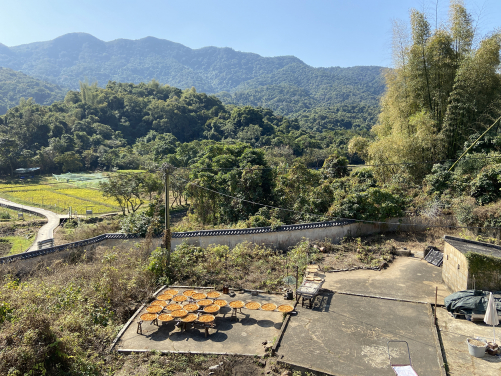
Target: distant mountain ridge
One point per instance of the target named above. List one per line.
(284, 83)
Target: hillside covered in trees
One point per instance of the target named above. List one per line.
(340, 97)
(16, 85)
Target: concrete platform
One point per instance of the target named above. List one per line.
(244, 336)
(406, 278)
(348, 335)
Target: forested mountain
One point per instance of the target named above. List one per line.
(285, 84)
(128, 126)
(16, 85)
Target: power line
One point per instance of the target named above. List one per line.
(323, 216)
(335, 167)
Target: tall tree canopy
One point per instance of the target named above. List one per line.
(443, 89)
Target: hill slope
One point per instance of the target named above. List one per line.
(284, 83)
(16, 85)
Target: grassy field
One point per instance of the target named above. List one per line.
(19, 243)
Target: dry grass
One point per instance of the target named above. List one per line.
(62, 319)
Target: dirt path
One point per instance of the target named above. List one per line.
(46, 231)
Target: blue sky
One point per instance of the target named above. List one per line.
(320, 32)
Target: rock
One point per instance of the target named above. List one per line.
(265, 343)
(286, 373)
(268, 347)
(322, 249)
(261, 362)
(216, 366)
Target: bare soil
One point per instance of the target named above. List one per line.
(151, 364)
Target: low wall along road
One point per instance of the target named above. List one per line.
(282, 237)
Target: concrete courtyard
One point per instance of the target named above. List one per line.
(244, 336)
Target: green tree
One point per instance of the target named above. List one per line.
(127, 189)
(440, 91)
(69, 162)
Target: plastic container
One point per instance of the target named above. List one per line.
(476, 351)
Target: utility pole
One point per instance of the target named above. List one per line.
(168, 170)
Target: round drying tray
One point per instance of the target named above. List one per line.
(191, 307)
(206, 319)
(213, 294)
(286, 308)
(179, 313)
(198, 296)
(179, 298)
(213, 308)
(173, 307)
(204, 302)
(165, 317)
(237, 304)
(253, 305)
(148, 316)
(154, 309)
(190, 317)
(221, 302)
(189, 292)
(164, 297)
(160, 303)
(269, 307)
(171, 292)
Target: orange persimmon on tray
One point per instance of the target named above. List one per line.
(190, 307)
(206, 318)
(269, 307)
(221, 302)
(198, 296)
(204, 302)
(154, 309)
(213, 294)
(173, 307)
(160, 303)
(165, 317)
(285, 308)
(179, 313)
(253, 305)
(189, 292)
(148, 316)
(212, 308)
(189, 318)
(164, 297)
(170, 292)
(237, 304)
(179, 298)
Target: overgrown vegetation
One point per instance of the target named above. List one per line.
(61, 319)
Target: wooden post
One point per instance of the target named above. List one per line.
(297, 276)
(168, 169)
(436, 297)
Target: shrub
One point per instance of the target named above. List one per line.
(487, 185)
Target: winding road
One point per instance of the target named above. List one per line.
(47, 230)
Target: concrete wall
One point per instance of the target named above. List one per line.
(455, 269)
(280, 239)
(285, 239)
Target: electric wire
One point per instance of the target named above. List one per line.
(323, 216)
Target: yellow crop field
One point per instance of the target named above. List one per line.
(56, 201)
(88, 194)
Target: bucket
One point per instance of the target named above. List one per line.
(476, 351)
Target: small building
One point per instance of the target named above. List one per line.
(471, 265)
(24, 171)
